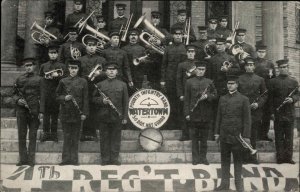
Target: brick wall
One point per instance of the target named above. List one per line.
(258, 22)
(198, 15)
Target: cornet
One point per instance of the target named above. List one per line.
(40, 35)
(246, 145)
(92, 74)
(124, 29)
(238, 50)
(139, 60)
(51, 74)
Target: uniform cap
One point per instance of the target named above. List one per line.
(176, 30)
(190, 47)
(91, 40)
(223, 18)
(28, 61)
(179, 11)
(133, 32)
(240, 31)
(261, 47)
(220, 40)
(111, 65)
(213, 20)
(120, 6)
(114, 33)
(249, 60)
(100, 18)
(202, 28)
(232, 78)
(78, 2)
(200, 64)
(282, 62)
(74, 63)
(155, 14)
(49, 14)
(53, 45)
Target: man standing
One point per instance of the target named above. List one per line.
(49, 107)
(212, 26)
(120, 20)
(201, 53)
(72, 94)
(174, 54)
(233, 119)
(222, 30)
(265, 69)
(27, 96)
(284, 92)
(110, 92)
(89, 64)
(199, 92)
(253, 87)
(183, 74)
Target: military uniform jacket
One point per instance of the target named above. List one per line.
(65, 50)
(48, 96)
(78, 88)
(182, 26)
(280, 88)
(212, 34)
(265, 69)
(223, 32)
(29, 84)
(88, 63)
(252, 86)
(115, 54)
(136, 51)
(181, 76)
(117, 92)
(200, 53)
(247, 48)
(220, 77)
(174, 54)
(233, 117)
(193, 90)
(117, 23)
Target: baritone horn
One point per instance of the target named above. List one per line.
(139, 60)
(41, 35)
(54, 73)
(150, 38)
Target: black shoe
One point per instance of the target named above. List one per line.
(64, 163)
(204, 161)
(31, 164)
(222, 188)
(104, 163)
(266, 138)
(195, 162)
(290, 162)
(280, 161)
(184, 139)
(22, 163)
(116, 162)
(254, 161)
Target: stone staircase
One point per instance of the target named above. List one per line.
(172, 150)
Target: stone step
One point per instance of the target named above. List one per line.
(133, 146)
(134, 158)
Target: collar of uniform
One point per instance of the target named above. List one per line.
(114, 47)
(90, 55)
(73, 77)
(249, 74)
(177, 43)
(29, 74)
(120, 17)
(53, 61)
(232, 93)
(200, 78)
(111, 79)
(282, 75)
(240, 42)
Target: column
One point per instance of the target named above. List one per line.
(35, 12)
(244, 12)
(272, 28)
(9, 18)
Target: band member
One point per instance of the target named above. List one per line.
(49, 107)
(212, 26)
(182, 24)
(27, 96)
(88, 65)
(202, 53)
(233, 119)
(111, 92)
(183, 74)
(101, 25)
(135, 51)
(266, 69)
(52, 28)
(202, 90)
(74, 17)
(284, 93)
(120, 20)
(173, 55)
(222, 30)
(72, 49)
(72, 94)
(115, 54)
(253, 87)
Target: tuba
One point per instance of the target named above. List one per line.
(151, 37)
(137, 61)
(49, 74)
(40, 35)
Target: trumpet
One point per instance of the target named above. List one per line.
(92, 74)
(75, 53)
(246, 145)
(238, 50)
(139, 60)
(124, 30)
(41, 35)
(150, 38)
(54, 73)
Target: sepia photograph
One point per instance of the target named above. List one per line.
(149, 96)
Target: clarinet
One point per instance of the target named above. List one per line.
(109, 101)
(197, 102)
(284, 102)
(73, 100)
(257, 98)
(22, 97)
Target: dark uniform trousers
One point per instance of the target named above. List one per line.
(199, 132)
(284, 139)
(29, 86)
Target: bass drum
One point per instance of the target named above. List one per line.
(151, 139)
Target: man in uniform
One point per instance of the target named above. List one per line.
(284, 93)
(265, 69)
(111, 119)
(49, 107)
(134, 50)
(119, 56)
(101, 25)
(174, 54)
(72, 49)
(120, 20)
(72, 94)
(89, 64)
(222, 30)
(233, 119)
(183, 74)
(182, 24)
(212, 26)
(253, 87)
(202, 90)
(26, 97)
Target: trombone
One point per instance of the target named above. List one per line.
(41, 35)
(187, 30)
(233, 34)
(124, 29)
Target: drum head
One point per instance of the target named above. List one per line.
(151, 139)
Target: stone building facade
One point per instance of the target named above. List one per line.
(275, 23)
